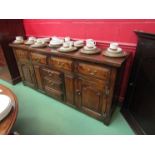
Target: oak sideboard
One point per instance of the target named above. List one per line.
(89, 83)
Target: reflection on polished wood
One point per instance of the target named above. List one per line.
(7, 123)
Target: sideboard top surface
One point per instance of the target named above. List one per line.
(98, 58)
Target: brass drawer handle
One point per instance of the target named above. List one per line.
(52, 84)
(88, 69)
(93, 73)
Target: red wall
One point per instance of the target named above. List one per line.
(103, 31)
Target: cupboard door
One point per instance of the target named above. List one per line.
(69, 87)
(38, 77)
(90, 98)
(27, 74)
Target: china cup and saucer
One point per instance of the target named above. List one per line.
(114, 51)
(30, 41)
(39, 43)
(55, 42)
(90, 47)
(19, 40)
(67, 47)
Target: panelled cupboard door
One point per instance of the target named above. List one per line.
(90, 97)
(37, 70)
(27, 73)
(69, 87)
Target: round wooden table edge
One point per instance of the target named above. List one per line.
(15, 112)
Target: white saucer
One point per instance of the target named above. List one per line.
(44, 39)
(115, 55)
(38, 45)
(54, 45)
(18, 41)
(118, 50)
(89, 49)
(96, 51)
(78, 45)
(70, 49)
(53, 42)
(5, 106)
(29, 42)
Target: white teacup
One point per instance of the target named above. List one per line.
(66, 44)
(114, 46)
(54, 38)
(90, 45)
(19, 38)
(71, 43)
(31, 39)
(67, 39)
(90, 40)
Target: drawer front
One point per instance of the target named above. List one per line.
(38, 58)
(21, 55)
(50, 74)
(56, 94)
(52, 84)
(61, 63)
(94, 71)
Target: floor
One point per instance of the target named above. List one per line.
(40, 114)
(5, 74)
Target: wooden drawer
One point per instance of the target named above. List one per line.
(50, 74)
(38, 58)
(21, 55)
(61, 63)
(52, 84)
(94, 71)
(56, 94)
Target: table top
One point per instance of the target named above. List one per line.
(96, 58)
(7, 123)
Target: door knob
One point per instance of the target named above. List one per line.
(78, 92)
